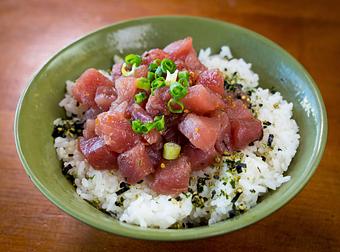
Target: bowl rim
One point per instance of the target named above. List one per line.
(220, 228)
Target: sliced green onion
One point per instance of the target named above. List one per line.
(140, 97)
(168, 65)
(153, 67)
(143, 128)
(143, 83)
(159, 72)
(127, 73)
(159, 123)
(171, 151)
(183, 75)
(170, 77)
(175, 106)
(133, 59)
(154, 64)
(151, 76)
(157, 83)
(137, 126)
(184, 82)
(177, 91)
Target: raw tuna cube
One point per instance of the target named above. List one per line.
(126, 88)
(137, 112)
(174, 178)
(179, 49)
(223, 142)
(86, 86)
(155, 153)
(104, 97)
(157, 103)
(116, 131)
(153, 54)
(97, 153)
(92, 113)
(172, 133)
(192, 62)
(199, 159)
(236, 109)
(244, 132)
(89, 129)
(201, 131)
(212, 79)
(202, 100)
(116, 71)
(141, 71)
(135, 164)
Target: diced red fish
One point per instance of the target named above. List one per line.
(202, 100)
(155, 153)
(97, 153)
(153, 54)
(179, 49)
(125, 88)
(135, 164)
(116, 71)
(116, 131)
(89, 129)
(184, 55)
(199, 159)
(236, 109)
(244, 132)
(201, 131)
(172, 133)
(192, 62)
(86, 86)
(104, 97)
(174, 178)
(223, 142)
(141, 71)
(92, 113)
(212, 79)
(157, 103)
(137, 112)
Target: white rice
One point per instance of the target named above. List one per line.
(215, 201)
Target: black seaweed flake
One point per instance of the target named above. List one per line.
(213, 193)
(232, 213)
(232, 183)
(266, 123)
(270, 140)
(124, 187)
(68, 128)
(178, 198)
(236, 197)
(239, 167)
(140, 182)
(65, 169)
(120, 202)
(232, 87)
(200, 184)
(263, 158)
(197, 200)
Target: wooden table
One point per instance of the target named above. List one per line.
(32, 31)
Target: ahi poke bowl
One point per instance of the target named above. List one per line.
(173, 135)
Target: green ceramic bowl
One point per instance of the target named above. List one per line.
(38, 107)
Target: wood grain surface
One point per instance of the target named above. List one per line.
(32, 31)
